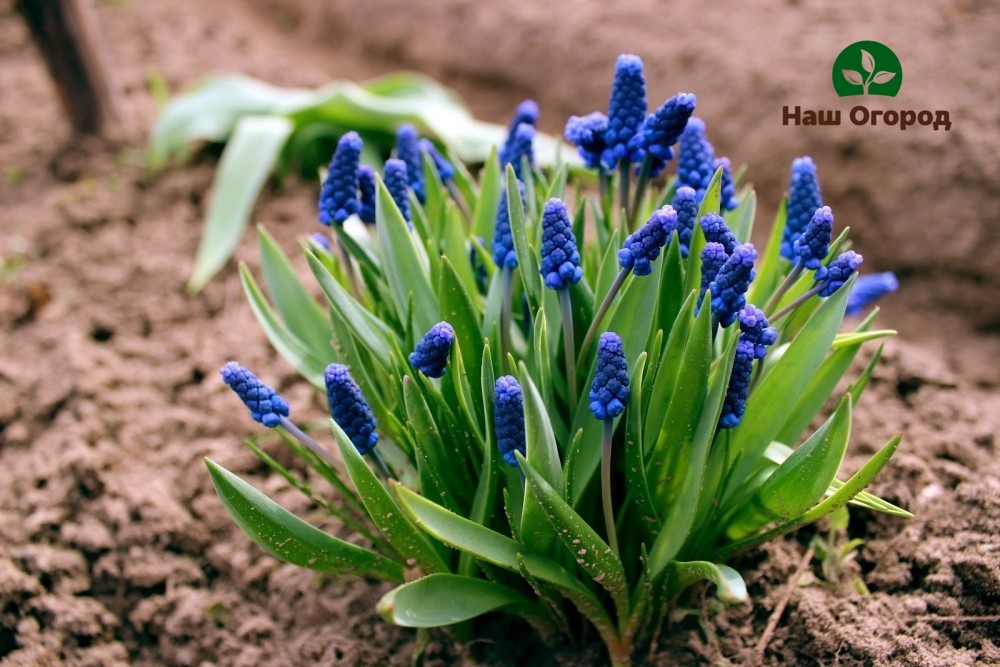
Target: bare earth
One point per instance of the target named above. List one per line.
(115, 550)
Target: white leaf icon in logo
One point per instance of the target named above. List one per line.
(853, 77)
(883, 77)
(867, 62)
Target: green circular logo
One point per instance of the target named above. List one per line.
(867, 68)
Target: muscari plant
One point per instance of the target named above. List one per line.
(541, 406)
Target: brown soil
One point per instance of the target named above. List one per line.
(113, 546)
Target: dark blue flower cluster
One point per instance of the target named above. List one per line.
(713, 258)
(754, 328)
(349, 408)
(560, 257)
(366, 186)
(731, 283)
(735, 403)
(832, 277)
(587, 134)
(813, 245)
(521, 148)
(869, 288)
(431, 354)
(609, 391)
(717, 231)
(644, 245)
(265, 405)
(398, 185)
(504, 255)
(727, 188)
(445, 169)
(696, 158)
(803, 199)
(508, 418)
(662, 128)
(338, 198)
(408, 151)
(513, 148)
(686, 204)
(626, 112)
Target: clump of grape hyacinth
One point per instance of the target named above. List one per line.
(685, 202)
(717, 231)
(587, 134)
(696, 158)
(727, 193)
(731, 283)
(735, 403)
(265, 405)
(626, 112)
(832, 277)
(609, 391)
(803, 199)
(870, 288)
(431, 354)
(408, 151)
(813, 245)
(349, 408)
(504, 255)
(366, 187)
(644, 245)
(338, 198)
(398, 185)
(560, 258)
(508, 418)
(445, 169)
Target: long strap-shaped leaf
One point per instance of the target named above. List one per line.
(289, 538)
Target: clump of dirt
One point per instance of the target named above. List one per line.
(114, 549)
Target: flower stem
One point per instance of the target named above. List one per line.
(785, 285)
(380, 467)
(640, 190)
(795, 304)
(345, 259)
(601, 312)
(456, 195)
(507, 278)
(314, 446)
(609, 514)
(570, 349)
(624, 172)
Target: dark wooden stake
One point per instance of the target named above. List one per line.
(67, 34)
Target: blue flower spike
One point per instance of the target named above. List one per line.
(804, 198)
(265, 405)
(431, 354)
(398, 185)
(755, 328)
(832, 277)
(504, 255)
(626, 112)
(508, 419)
(685, 202)
(869, 288)
(526, 114)
(366, 187)
(812, 246)
(732, 282)
(696, 158)
(408, 150)
(521, 147)
(717, 231)
(338, 198)
(735, 403)
(643, 246)
(727, 187)
(560, 257)
(713, 258)
(445, 169)
(663, 127)
(349, 408)
(609, 392)
(587, 134)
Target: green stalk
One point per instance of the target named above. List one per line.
(570, 351)
(795, 304)
(609, 513)
(507, 278)
(380, 467)
(601, 312)
(345, 258)
(624, 172)
(785, 286)
(640, 190)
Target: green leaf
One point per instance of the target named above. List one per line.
(284, 341)
(405, 268)
(446, 599)
(458, 311)
(769, 272)
(741, 220)
(435, 466)
(246, 162)
(542, 453)
(635, 468)
(383, 511)
(730, 587)
(289, 538)
(519, 232)
(301, 313)
(490, 191)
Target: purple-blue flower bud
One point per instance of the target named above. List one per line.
(408, 151)
(686, 204)
(754, 328)
(508, 418)
(504, 254)
(366, 185)
(349, 408)
(713, 257)
(445, 169)
(560, 257)
(813, 245)
(643, 246)
(609, 391)
(338, 198)
(869, 288)
(731, 283)
(696, 158)
(587, 134)
(321, 239)
(431, 354)
(527, 114)
(263, 402)
(831, 277)
(663, 127)
(717, 231)
(398, 185)
(521, 147)
(803, 199)
(727, 188)
(735, 403)
(626, 112)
